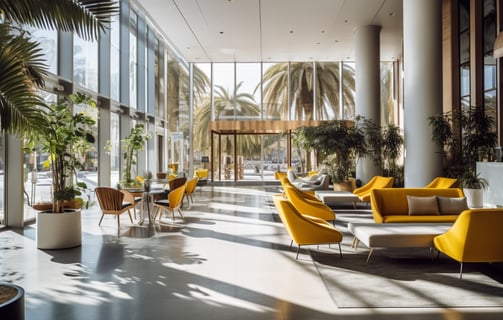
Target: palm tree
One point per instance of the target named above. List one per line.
(300, 77)
(21, 61)
(228, 106)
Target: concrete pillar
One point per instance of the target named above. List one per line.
(368, 88)
(422, 40)
(14, 179)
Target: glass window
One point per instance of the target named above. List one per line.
(464, 15)
(114, 149)
(223, 90)
(2, 179)
(275, 91)
(465, 80)
(157, 77)
(133, 60)
(248, 79)
(202, 110)
(489, 73)
(464, 47)
(387, 89)
(89, 173)
(348, 75)
(85, 63)
(48, 40)
(114, 60)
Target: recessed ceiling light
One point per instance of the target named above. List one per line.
(291, 31)
(322, 31)
(346, 21)
(336, 41)
(318, 43)
(392, 14)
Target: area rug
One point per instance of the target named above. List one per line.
(407, 278)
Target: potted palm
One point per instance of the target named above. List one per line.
(65, 138)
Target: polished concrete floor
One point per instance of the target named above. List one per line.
(229, 259)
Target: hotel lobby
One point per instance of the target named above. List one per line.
(170, 66)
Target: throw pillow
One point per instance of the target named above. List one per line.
(447, 205)
(423, 206)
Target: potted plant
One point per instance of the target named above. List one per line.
(65, 137)
(473, 188)
(466, 137)
(340, 143)
(11, 301)
(131, 145)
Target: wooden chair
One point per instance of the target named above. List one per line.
(111, 201)
(172, 203)
(189, 190)
(135, 198)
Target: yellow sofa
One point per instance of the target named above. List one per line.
(390, 205)
(474, 237)
(377, 182)
(304, 229)
(442, 182)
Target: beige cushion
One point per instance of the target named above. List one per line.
(448, 205)
(422, 205)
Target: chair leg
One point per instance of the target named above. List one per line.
(131, 219)
(340, 250)
(181, 215)
(291, 243)
(118, 221)
(461, 270)
(298, 249)
(370, 254)
(99, 223)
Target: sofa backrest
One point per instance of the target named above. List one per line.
(393, 201)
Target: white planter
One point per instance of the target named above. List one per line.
(59, 230)
(474, 197)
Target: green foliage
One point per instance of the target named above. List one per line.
(131, 145)
(465, 137)
(22, 64)
(66, 138)
(340, 142)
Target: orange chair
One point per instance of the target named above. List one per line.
(172, 203)
(111, 201)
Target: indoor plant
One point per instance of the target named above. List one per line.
(131, 145)
(341, 143)
(466, 137)
(65, 137)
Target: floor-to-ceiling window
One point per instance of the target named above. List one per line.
(2, 180)
(114, 59)
(133, 60)
(464, 52)
(489, 34)
(85, 63)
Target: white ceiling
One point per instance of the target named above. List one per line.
(274, 30)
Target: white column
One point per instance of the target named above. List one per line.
(422, 38)
(368, 87)
(14, 180)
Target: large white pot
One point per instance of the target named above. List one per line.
(59, 230)
(474, 197)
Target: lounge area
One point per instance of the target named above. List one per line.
(231, 257)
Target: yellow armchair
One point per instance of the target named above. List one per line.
(305, 230)
(474, 237)
(303, 193)
(442, 182)
(376, 182)
(308, 206)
